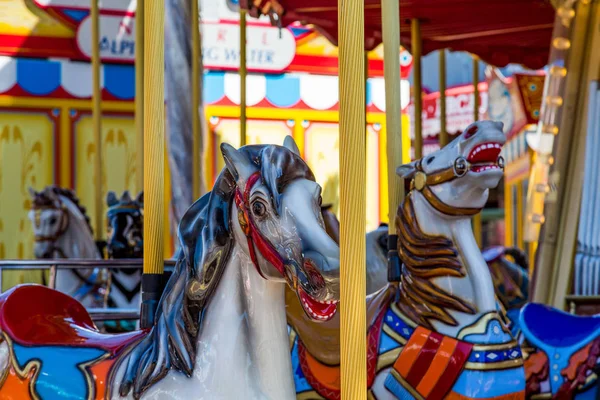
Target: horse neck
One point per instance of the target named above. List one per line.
(476, 286)
(246, 323)
(77, 241)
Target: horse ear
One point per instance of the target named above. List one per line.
(126, 197)
(290, 144)
(407, 170)
(111, 199)
(236, 162)
(32, 192)
(140, 198)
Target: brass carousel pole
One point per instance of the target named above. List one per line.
(443, 131)
(97, 118)
(243, 74)
(195, 15)
(154, 157)
(477, 217)
(390, 21)
(353, 346)
(139, 93)
(417, 88)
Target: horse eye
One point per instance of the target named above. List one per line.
(471, 131)
(258, 208)
(430, 159)
(52, 220)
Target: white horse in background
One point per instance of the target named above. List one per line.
(62, 231)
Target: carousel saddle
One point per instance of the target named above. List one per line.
(34, 315)
(552, 329)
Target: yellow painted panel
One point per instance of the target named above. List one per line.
(258, 132)
(26, 159)
(16, 18)
(118, 153)
(321, 152)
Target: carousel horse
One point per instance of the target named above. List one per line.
(220, 329)
(437, 332)
(125, 221)
(62, 230)
(376, 249)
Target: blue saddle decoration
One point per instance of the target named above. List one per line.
(558, 334)
(492, 253)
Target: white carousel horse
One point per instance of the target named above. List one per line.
(220, 329)
(125, 220)
(438, 333)
(62, 230)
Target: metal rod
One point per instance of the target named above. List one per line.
(243, 74)
(139, 93)
(154, 157)
(477, 217)
(115, 314)
(52, 278)
(443, 131)
(77, 263)
(353, 347)
(195, 15)
(417, 88)
(97, 119)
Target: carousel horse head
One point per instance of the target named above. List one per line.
(125, 222)
(460, 175)
(261, 225)
(53, 212)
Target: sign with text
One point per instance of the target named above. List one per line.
(119, 6)
(268, 49)
(117, 38)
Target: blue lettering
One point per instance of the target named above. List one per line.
(231, 55)
(127, 45)
(210, 53)
(104, 44)
(269, 57)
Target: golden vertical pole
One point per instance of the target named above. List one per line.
(417, 88)
(154, 157)
(443, 131)
(477, 217)
(390, 20)
(97, 117)
(353, 349)
(195, 15)
(243, 74)
(139, 93)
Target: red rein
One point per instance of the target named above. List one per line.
(254, 237)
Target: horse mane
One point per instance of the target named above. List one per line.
(206, 240)
(46, 198)
(425, 257)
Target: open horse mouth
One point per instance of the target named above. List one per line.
(315, 309)
(484, 156)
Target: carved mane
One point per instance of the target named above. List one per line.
(425, 257)
(46, 198)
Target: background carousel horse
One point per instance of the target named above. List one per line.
(222, 310)
(437, 333)
(62, 230)
(125, 221)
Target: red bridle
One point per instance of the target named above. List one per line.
(252, 233)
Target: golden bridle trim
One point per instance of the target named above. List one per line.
(425, 257)
(423, 181)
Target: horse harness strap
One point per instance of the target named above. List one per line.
(64, 224)
(423, 181)
(255, 240)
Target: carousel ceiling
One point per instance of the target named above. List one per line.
(498, 31)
